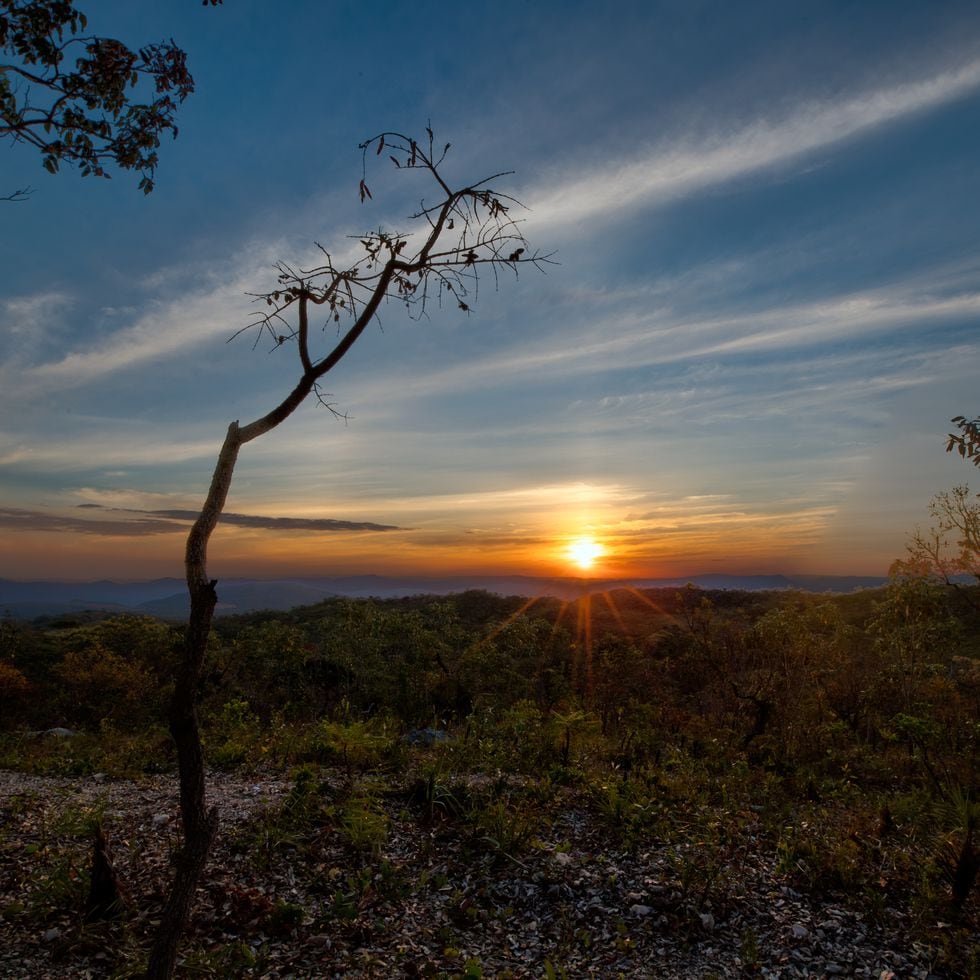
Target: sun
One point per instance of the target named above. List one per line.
(584, 551)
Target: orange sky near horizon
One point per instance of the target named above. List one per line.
(527, 533)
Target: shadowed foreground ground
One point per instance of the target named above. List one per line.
(401, 889)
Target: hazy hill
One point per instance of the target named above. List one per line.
(166, 597)
(239, 597)
(26, 600)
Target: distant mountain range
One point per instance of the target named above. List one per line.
(167, 598)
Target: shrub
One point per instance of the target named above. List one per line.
(100, 686)
(14, 691)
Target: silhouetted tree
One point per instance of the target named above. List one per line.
(467, 231)
(950, 548)
(83, 100)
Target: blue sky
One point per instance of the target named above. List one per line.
(765, 312)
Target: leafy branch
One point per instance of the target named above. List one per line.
(78, 99)
(968, 443)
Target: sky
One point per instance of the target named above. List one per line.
(764, 314)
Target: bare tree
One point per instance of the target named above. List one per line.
(950, 549)
(468, 231)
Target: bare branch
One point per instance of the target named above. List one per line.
(22, 194)
(468, 230)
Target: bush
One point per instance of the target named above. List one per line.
(14, 691)
(100, 686)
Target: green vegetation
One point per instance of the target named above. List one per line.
(840, 735)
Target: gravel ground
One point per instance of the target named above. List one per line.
(572, 901)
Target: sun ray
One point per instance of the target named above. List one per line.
(614, 609)
(653, 605)
(500, 627)
(589, 687)
(561, 614)
(582, 656)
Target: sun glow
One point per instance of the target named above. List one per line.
(584, 551)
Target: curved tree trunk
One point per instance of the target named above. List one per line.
(200, 824)
(484, 236)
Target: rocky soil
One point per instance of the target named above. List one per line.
(430, 901)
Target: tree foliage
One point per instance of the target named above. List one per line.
(84, 100)
(967, 443)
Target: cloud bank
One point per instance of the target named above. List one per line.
(153, 522)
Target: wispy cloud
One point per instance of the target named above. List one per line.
(550, 498)
(280, 523)
(118, 522)
(216, 309)
(662, 175)
(25, 316)
(200, 308)
(184, 306)
(685, 531)
(30, 325)
(89, 451)
(822, 386)
(13, 519)
(644, 338)
(162, 331)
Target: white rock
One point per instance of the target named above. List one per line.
(640, 909)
